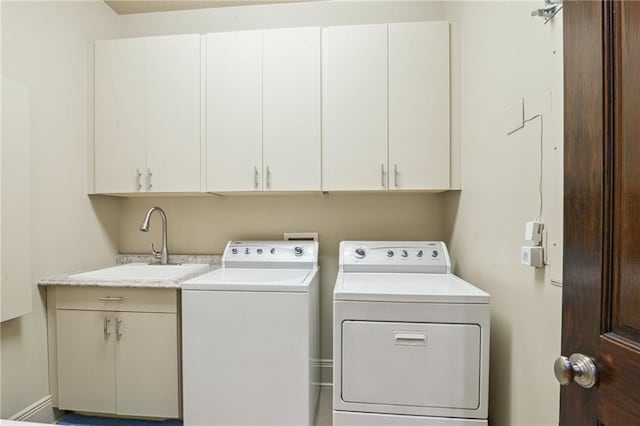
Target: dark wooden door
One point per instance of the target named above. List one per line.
(601, 295)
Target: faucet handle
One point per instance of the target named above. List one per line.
(155, 253)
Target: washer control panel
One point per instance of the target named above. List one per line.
(394, 256)
(275, 254)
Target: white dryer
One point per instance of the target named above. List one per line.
(249, 334)
(410, 339)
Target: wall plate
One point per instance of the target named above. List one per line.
(300, 236)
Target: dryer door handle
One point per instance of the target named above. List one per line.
(408, 338)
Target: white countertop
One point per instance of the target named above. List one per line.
(68, 279)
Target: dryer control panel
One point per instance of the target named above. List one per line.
(395, 256)
(271, 254)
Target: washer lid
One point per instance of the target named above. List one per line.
(406, 287)
(253, 279)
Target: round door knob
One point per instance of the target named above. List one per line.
(298, 251)
(359, 253)
(578, 367)
(389, 253)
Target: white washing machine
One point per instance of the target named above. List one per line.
(249, 335)
(410, 339)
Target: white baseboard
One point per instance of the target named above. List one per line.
(326, 371)
(40, 411)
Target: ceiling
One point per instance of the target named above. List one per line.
(124, 7)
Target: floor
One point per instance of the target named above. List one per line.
(323, 418)
(325, 407)
(73, 419)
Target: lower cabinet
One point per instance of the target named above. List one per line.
(118, 352)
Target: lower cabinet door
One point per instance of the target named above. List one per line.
(147, 364)
(86, 375)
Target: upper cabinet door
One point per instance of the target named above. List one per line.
(173, 113)
(120, 73)
(234, 111)
(354, 141)
(291, 109)
(419, 106)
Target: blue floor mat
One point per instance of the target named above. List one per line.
(80, 420)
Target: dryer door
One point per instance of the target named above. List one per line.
(411, 364)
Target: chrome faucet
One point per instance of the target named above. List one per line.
(163, 255)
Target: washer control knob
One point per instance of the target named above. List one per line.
(234, 250)
(272, 251)
(247, 251)
(360, 253)
(420, 253)
(259, 251)
(434, 253)
(405, 253)
(389, 253)
(298, 251)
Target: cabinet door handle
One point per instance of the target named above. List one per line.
(149, 174)
(382, 175)
(138, 183)
(106, 327)
(268, 177)
(118, 334)
(255, 177)
(395, 175)
(111, 299)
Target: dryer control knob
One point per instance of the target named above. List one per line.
(247, 251)
(234, 250)
(360, 253)
(434, 253)
(405, 253)
(298, 251)
(420, 253)
(272, 251)
(389, 253)
(259, 251)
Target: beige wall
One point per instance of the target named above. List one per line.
(205, 224)
(505, 55)
(502, 54)
(508, 55)
(320, 13)
(46, 46)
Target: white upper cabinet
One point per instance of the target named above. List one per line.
(394, 75)
(263, 110)
(419, 106)
(345, 108)
(234, 111)
(291, 109)
(120, 119)
(147, 115)
(173, 113)
(354, 138)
